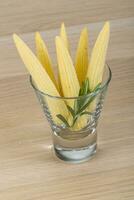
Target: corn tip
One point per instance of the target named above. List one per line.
(62, 25)
(85, 30)
(37, 34)
(106, 26)
(15, 37)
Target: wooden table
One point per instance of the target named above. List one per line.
(29, 169)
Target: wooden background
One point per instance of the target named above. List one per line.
(29, 169)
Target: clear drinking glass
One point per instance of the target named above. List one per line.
(74, 143)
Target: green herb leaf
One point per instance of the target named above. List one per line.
(76, 106)
(86, 113)
(85, 103)
(97, 87)
(86, 86)
(88, 100)
(81, 103)
(62, 118)
(75, 119)
(71, 110)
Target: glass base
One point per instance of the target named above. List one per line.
(75, 147)
(77, 155)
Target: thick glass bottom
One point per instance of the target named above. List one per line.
(75, 147)
(77, 155)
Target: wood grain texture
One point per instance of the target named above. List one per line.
(29, 170)
(31, 15)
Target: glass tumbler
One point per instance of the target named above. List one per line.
(74, 133)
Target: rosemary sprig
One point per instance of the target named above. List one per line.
(62, 118)
(80, 104)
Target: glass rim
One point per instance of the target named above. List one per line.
(102, 87)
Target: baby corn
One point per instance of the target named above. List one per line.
(43, 56)
(63, 35)
(68, 77)
(82, 57)
(69, 80)
(98, 56)
(97, 62)
(41, 78)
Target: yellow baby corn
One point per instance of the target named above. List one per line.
(80, 123)
(41, 79)
(97, 62)
(68, 77)
(82, 56)
(59, 86)
(98, 56)
(43, 56)
(63, 35)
